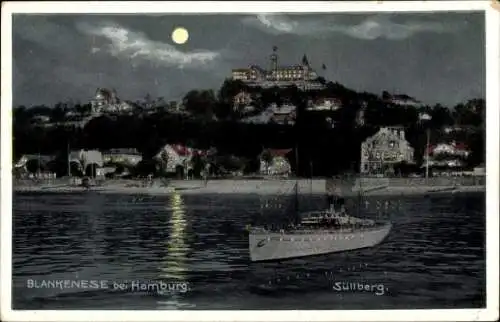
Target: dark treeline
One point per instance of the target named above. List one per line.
(213, 122)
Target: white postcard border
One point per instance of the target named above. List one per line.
(492, 159)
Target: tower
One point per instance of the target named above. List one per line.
(305, 61)
(274, 60)
(305, 68)
(113, 96)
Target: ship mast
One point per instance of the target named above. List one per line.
(296, 179)
(360, 198)
(68, 159)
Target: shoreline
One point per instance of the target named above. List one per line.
(262, 187)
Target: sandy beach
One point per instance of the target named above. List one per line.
(264, 187)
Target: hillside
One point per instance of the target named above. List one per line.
(210, 120)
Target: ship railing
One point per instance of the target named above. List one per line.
(298, 231)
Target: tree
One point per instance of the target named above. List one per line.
(119, 169)
(148, 101)
(34, 166)
(164, 159)
(20, 115)
(146, 167)
(58, 112)
(201, 103)
(441, 116)
(198, 163)
(472, 113)
(321, 80)
(161, 105)
(252, 166)
(224, 110)
(476, 143)
(101, 133)
(59, 165)
(229, 89)
(478, 109)
(266, 156)
(231, 163)
(84, 109)
(293, 95)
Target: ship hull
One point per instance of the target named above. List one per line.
(266, 246)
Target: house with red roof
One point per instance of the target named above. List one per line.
(177, 158)
(275, 162)
(447, 154)
(453, 148)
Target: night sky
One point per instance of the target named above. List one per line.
(435, 57)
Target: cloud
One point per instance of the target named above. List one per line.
(278, 23)
(373, 27)
(382, 27)
(136, 46)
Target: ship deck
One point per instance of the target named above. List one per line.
(319, 231)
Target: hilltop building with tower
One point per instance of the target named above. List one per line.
(301, 75)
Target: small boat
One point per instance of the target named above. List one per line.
(315, 233)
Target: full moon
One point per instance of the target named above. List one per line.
(180, 35)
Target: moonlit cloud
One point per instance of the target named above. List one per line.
(383, 27)
(278, 23)
(137, 46)
(373, 27)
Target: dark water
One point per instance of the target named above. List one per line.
(433, 258)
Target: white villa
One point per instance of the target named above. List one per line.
(324, 104)
(384, 149)
(106, 101)
(130, 157)
(284, 115)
